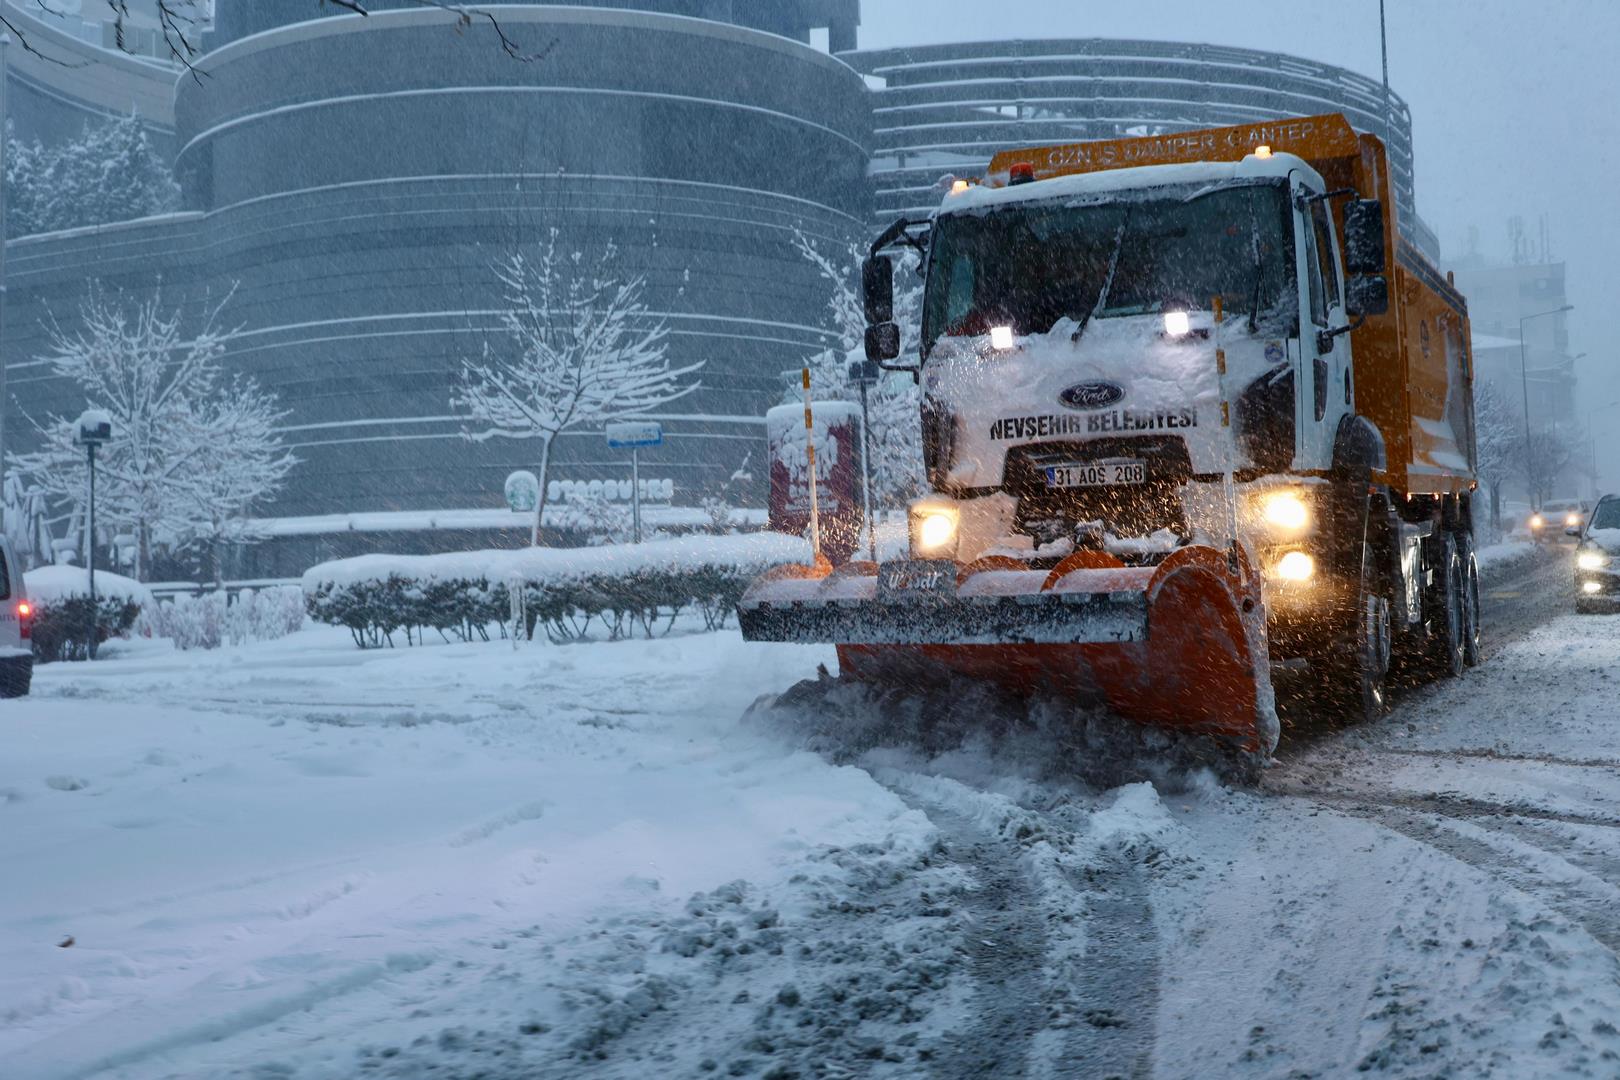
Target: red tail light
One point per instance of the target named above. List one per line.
(25, 619)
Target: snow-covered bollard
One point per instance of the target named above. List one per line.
(515, 594)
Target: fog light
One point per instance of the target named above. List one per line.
(1295, 566)
(1286, 511)
(1591, 587)
(933, 530)
(1592, 560)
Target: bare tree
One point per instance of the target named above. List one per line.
(244, 465)
(1499, 442)
(182, 22)
(162, 389)
(1553, 448)
(581, 349)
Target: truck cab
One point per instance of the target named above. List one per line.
(1103, 353)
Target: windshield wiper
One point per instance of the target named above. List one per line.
(1108, 280)
(1259, 277)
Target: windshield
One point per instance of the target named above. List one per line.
(1028, 266)
(1607, 515)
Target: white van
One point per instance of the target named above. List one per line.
(16, 626)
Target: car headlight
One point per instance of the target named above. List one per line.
(1537, 521)
(1593, 560)
(1296, 566)
(933, 530)
(1573, 519)
(1285, 511)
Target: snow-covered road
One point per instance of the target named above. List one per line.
(301, 860)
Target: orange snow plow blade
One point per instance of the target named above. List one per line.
(1179, 645)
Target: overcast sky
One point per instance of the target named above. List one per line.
(1515, 110)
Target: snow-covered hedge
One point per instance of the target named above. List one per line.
(564, 589)
(212, 619)
(61, 599)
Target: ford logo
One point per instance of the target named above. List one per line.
(1091, 395)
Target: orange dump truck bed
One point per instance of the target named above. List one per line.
(1413, 368)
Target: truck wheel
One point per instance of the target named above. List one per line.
(1447, 643)
(1360, 691)
(1473, 650)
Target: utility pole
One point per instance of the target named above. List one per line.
(1383, 49)
(5, 40)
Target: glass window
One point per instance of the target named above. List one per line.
(1033, 264)
(1607, 515)
(1324, 250)
(1313, 271)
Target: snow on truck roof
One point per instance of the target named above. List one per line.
(1275, 166)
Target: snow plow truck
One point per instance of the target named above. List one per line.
(1193, 412)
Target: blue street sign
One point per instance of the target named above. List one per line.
(629, 434)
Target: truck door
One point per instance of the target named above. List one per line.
(1324, 386)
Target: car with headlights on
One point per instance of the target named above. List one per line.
(1562, 517)
(1597, 560)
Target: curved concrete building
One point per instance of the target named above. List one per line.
(948, 108)
(355, 179)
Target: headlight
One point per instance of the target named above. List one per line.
(1295, 566)
(1537, 521)
(1285, 511)
(1177, 324)
(1573, 519)
(933, 531)
(1001, 337)
(1592, 560)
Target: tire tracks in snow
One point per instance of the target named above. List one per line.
(1063, 958)
(1505, 841)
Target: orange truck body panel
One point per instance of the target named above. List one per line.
(1414, 374)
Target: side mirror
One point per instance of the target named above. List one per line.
(877, 290)
(882, 341)
(1364, 236)
(1364, 296)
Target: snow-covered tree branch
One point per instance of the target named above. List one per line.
(191, 451)
(578, 348)
(109, 173)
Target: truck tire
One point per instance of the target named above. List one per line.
(1360, 678)
(1447, 629)
(1473, 649)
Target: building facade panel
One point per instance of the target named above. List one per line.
(949, 108)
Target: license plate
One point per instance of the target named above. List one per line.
(917, 576)
(1096, 474)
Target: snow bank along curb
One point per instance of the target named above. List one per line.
(1499, 560)
(61, 599)
(564, 589)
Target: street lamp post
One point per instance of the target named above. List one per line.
(94, 428)
(864, 374)
(1524, 386)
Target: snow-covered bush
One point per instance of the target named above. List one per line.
(565, 590)
(212, 619)
(597, 518)
(61, 599)
(721, 519)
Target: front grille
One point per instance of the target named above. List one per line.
(1127, 510)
